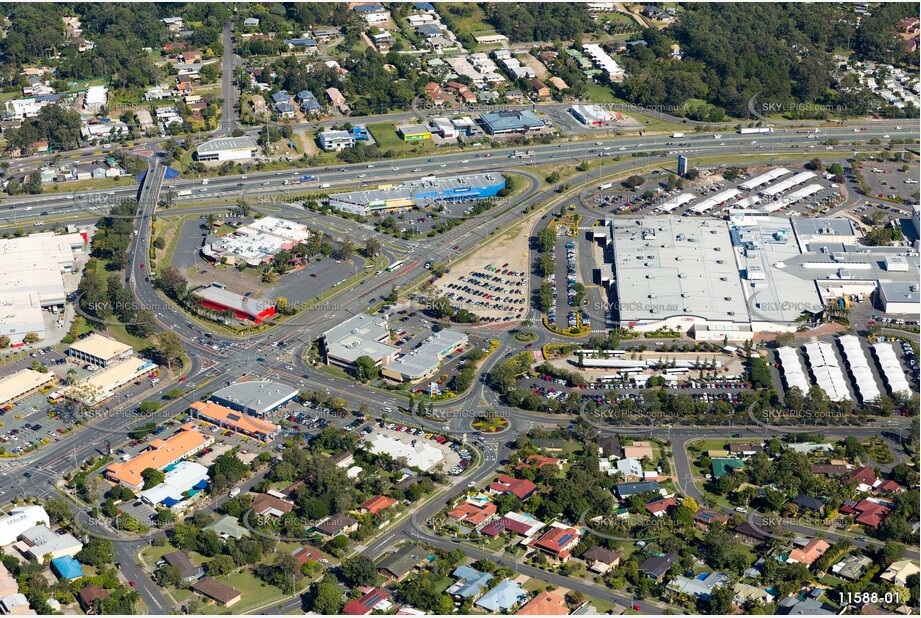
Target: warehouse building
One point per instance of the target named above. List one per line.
(594, 115)
(510, 121)
(226, 418)
(22, 384)
(228, 149)
(420, 193)
(160, 455)
(424, 361)
(243, 307)
(899, 297)
(21, 314)
(256, 398)
(362, 335)
(99, 350)
(417, 453)
(36, 264)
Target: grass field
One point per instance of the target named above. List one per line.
(255, 593)
(467, 24)
(387, 139)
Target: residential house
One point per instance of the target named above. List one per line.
(866, 479)
(545, 604)
(828, 470)
(472, 514)
(809, 504)
(794, 606)
(745, 593)
(251, 22)
(870, 513)
(227, 527)
(721, 466)
(749, 534)
(265, 505)
(539, 461)
(660, 507)
(401, 563)
(503, 597)
(558, 83)
(336, 99)
(746, 449)
(306, 554)
(521, 524)
(470, 582)
(337, 524)
(376, 504)
(558, 542)
(372, 599)
(898, 572)
(700, 587)
(852, 567)
(639, 449)
(372, 13)
(88, 596)
(809, 553)
(610, 446)
(540, 90)
(656, 567)
(520, 488)
(704, 518)
(601, 560)
(625, 490)
(187, 571)
(307, 45)
(257, 102)
(216, 591)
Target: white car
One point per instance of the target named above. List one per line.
(622, 148)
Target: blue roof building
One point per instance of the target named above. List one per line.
(428, 30)
(470, 582)
(67, 567)
(510, 121)
(628, 489)
(504, 596)
(305, 95)
(311, 106)
(424, 6)
(369, 8)
(281, 97)
(360, 134)
(308, 43)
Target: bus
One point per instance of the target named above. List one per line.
(395, 266)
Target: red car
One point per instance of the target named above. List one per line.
(142, 265)
(456, 247)
(183, 378)
(636, 607)
(132, 584)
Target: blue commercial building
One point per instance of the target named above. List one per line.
(420, 193)
(360, 134)
(510, 121)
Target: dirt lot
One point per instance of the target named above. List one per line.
(510, 248)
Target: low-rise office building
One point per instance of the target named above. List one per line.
(103, 384)
(183, 480)
(99, 350)
(225, 418)
(424, 361)
(159, 455)
(334, 141)
(243, 307)
(362, 335)
(510, 121)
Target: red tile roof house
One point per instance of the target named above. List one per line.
(539, 461)
(303, 555)
(520, 488)
(660, 507)
(265, 504)
(376, 504)
(472, 515)
(809, 553)
(367, 603)
(868, 513)
(865, 477)
(557, 542)
(889, 487)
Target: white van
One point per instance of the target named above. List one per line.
(234, 492)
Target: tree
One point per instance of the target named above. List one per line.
(220, 565)
(173, 283)
(691, 504)
(152, 477)
(372, 247)
(4, 341)
(327, 597)
(97, 552)
(366, 369)
(358, 570)
(31, 337)
(721, 601)
(168, 576)
(169, 348)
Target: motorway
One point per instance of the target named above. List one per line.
(207, 368)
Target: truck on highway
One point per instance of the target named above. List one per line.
(756, 130)
(718, 136)
(325, 185)
(677, 134)
(606, 185)
(184, 192)
(308, 178)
